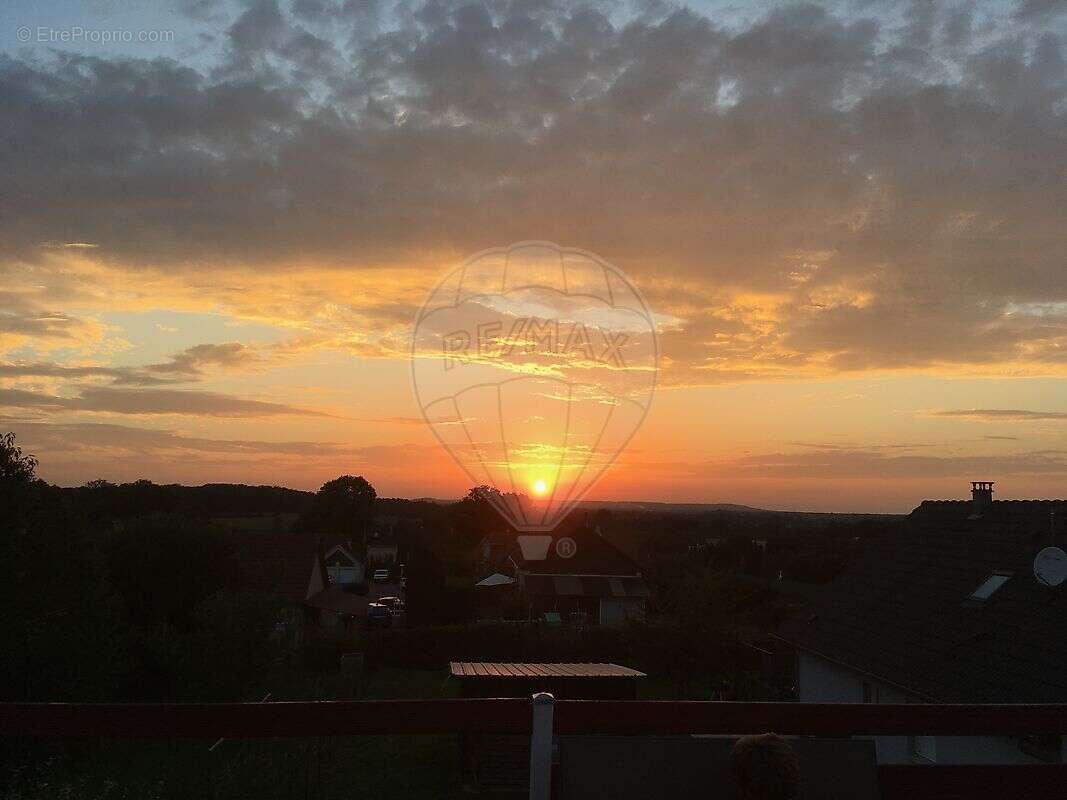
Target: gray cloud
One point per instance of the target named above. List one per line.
(863, 463)
(923, 164)
(72, 453)
(189, 363)
(1039, 9)
(185, 366)
(65, 437)
(995, 414)
(96, 437)
(45, 369)
(148, 401)
(23, 315)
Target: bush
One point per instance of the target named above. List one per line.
(321, 655)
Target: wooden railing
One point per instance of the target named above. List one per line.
(512, 715)
(633, 717)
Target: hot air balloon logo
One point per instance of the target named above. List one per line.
(534, 365)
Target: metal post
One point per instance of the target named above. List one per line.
(541, 747)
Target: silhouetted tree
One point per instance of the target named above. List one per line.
(59, 637)
(163, 567)
(440, 579)
(16, 469)
(141, 498)
(474, 516)
(342, 506)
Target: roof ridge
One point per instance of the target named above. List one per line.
(1034, 500)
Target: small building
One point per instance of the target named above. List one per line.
(500, 763)
(564, 681)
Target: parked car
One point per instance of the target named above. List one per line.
(379, 616)
(392, 603)
(381, 575)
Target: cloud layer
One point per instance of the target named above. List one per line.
(818, 190)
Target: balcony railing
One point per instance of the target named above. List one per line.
(627, 717)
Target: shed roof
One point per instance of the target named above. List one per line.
(489, 669)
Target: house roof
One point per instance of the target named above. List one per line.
(496, 579)
(585, 586)
(592, 555)
(334, 598)
(484, 669)
(904, 612)
(339, 555)
(280, 564)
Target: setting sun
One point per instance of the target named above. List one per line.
(540, 487)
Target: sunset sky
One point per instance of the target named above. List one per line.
(850, 220)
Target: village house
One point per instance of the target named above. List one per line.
(577, 577)
(948, 611)
(316, 579)
(386, 538)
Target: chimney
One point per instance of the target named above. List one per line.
(981, 497)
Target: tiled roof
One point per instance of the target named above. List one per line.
(584, 586)
(901, 613)
(279, 564)
(485, 669)
(593, 555)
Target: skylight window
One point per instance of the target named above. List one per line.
(990, 585)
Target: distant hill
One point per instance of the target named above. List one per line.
(655, 507)
(236, 499)
(663, 507)
(679, 508)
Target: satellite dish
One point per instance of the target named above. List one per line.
(1050, 566)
